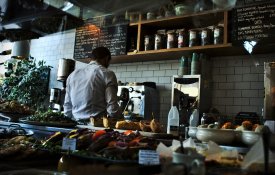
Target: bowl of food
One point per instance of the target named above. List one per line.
(219, 136)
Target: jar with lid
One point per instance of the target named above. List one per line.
(205, 36)
(158, 41)
(193, 38)
(148, 42)
(171, 39)
(218, 35)
(182, 38)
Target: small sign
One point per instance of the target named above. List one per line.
(68, 144)
(148, 157)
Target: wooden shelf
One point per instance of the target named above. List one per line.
(175, 53)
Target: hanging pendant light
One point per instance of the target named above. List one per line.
(21, 50)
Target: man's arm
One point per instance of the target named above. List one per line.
(67, 102)
(111, 96)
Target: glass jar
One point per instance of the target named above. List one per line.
(182, 38)
(158, 41)
(205, 36)
(148, 42)
(218, 35)
(171, 39)
(193, 38)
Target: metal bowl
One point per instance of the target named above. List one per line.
(192, 131)
(250, 137)
(219, 136)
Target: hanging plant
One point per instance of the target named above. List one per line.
(28, 84)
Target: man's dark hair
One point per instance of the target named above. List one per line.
(101, 52)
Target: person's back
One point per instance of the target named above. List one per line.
(91, 92)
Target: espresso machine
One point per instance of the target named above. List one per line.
(65, 68)
(139, 100)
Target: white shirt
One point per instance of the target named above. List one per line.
(91, 91)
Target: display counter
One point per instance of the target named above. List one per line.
(50, 163)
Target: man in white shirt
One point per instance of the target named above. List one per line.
(92, 90)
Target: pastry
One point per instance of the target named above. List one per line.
(127, 125)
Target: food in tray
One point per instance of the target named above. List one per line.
(109, 122)
(19, 148)
(50, 117)
(14, 107)
(107, 144)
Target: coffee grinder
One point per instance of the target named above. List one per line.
(65, 68)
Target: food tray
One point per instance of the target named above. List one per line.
(53, 124)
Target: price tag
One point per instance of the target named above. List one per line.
(148, 157)
(68, 144)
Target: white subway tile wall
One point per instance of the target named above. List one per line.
(237, 81)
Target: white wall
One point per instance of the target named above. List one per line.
(237, 82)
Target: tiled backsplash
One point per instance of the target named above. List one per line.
(237, 81)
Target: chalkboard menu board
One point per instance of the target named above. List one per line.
(90, 36)
(254, 23)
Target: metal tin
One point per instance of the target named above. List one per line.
(218, 35)
(171, 39)
(65, 67)
(205, 37)
(182, 38)
(193, 38)
(148, 42)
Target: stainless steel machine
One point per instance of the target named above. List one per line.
(139, 100)
(269, 100)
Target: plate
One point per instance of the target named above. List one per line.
(53, 124)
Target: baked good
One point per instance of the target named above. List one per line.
(145, 126)
(127, 125)
(247, 125)
(155, 126)
(109, 122)
(96, 121)
(227, 125)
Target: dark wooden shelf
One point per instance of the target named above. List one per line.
(175, 53)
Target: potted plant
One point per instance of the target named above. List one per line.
(27, 84)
